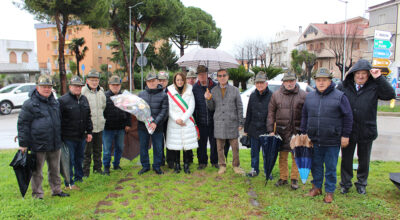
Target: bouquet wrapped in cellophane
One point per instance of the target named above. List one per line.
(136, 106)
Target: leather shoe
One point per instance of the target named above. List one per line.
(281, 182)
(294, 184)
(215, 165)
(61, 194)
(202, 166)
(344, 190)
(117, 168)
(158, 171)
(314, 192)
(143, 170)
(170, 165)
(186, 168)
(361, 190)
(328, 198)
(106, 171)
(177, 168)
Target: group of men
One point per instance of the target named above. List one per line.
(333, 118)
(84, 120)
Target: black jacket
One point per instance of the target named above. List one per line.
(158, 102)
(75, 117)
(116, 119)
(364, 103)
(257, 113)
(39, 123)
(202, 115)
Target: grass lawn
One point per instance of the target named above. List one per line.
(386, 108)
(200, 195)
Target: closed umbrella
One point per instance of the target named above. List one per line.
(302, 151)
(23, 164)
(270, 147)
(395, 178)
(65, 165)
(131, 141)
(212, 58)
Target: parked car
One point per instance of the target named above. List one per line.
(14, 95)
(273, 86)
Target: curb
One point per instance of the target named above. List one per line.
(392, 114)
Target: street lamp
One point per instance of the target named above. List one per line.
(344, 37)
(130, 45)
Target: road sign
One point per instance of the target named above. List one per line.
(83, 67)
(142, 61)
(142, 46)
(384, 70)
(381, 53)
(382, 44)
(379, 62)
(382, 35)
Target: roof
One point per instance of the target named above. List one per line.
(338, 29)
(382, 5)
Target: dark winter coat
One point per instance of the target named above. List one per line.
(39, 123)
(364, 102)
(158, 102)
(76, 120)
(326, 117)
(285, 109)
(257, 113)
(203, 116)
(116, 119)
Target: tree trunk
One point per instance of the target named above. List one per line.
(117, 33)
(236, 83)
(244, 85)
(61, 43)
(77, 66)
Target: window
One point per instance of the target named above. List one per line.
(69, 31)
(99, 45)
(99, 32)
(311, 47)
(25, 58)
(108, 47)
(108, 33)
(47, 33)
(356, 45)
(13, 57)
(100, 60)
(24, 88)
(381, 19)
(321, 46)
(320, 64)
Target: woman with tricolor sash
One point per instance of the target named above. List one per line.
(182, 131)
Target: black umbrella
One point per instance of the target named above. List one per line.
(270, 147)
(395, 178)
(23, 164)
(65, 165)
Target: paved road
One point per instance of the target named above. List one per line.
(386, 146)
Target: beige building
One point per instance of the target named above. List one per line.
(96, 40)
(282, 46)
(325, 40)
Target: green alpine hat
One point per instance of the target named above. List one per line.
(151, 75)
(44, 80)
(114, 80)
(191, 73)
(323, 73)
(76, 81)
(163, 75)
(289, 76)
(93, 74)
(261, 77)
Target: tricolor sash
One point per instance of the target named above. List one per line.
(184, 107)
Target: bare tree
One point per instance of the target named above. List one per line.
(336, 44)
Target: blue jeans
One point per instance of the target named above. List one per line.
(329, 157)
(76, 155)
(255, 154)
(157, 139)
(110, 137)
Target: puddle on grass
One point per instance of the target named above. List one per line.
(125, 203)
(119, 188)
(124, 180)
(113, 195)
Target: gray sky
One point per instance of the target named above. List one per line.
(239, 20)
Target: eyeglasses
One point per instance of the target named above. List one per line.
(220, 76)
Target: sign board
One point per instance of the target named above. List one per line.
(142, 46)
(384, 70)
(379, 62)
(83, 67)
(382, 44)
(381, 53)
(382, 35)
(142, 61)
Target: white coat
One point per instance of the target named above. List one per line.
(181, 137)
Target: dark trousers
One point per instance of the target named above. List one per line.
(93, 148)
(186, 156)
(327, 156)
(346, 169)
(156, 140)
(76, 154)
(207, 134)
